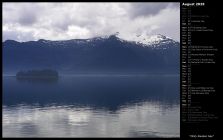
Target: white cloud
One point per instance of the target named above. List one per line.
(76, 31)
(59, 21)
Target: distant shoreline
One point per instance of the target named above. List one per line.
(102, 75)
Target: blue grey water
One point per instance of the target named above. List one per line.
(92, 106)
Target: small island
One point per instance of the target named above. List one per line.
(37, 74)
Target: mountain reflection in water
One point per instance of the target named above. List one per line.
(92, 106)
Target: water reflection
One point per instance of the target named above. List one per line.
(79, 106)
(38, 80)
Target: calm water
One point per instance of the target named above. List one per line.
(92, 106)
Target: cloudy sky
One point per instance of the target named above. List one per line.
(62, 21)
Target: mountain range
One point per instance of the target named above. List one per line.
(107, 54)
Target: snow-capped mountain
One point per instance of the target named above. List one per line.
(142, 40)
(150, 40)
(99, 54)
(154, 39)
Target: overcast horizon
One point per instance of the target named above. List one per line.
(64, 21)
